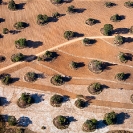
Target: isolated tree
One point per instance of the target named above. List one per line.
(56, 1)
(71, 9)
(56, 100)
(108, 4)
(30, 77)
(56, 15)
(57, 80)
(19, 25)
(12, 5)
(21, 43)
(17, 57)
(42, 19)
(6, 79)
(123, 57)
(118, 40)
(128, 4)
(110, 118)
(80, 103)
(89, 125)
(74, 65)
(5, 31)
(12, 120)
(120, 76)
(107, 29)
(115, 18)
(90, 21)
(68, 34)
(61, 122)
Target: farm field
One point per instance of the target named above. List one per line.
(54, 64)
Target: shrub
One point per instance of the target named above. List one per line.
(110, 118)
(30, 77)
(68, 35)
(19, 25)
(122, 57)
(120, 76)
(118, 40)
(56, 100)
(115, 18)
(6, 79)
(89, 125)
(17, 57)
(128, 4)
(56, 15)
(42, 19)
(12, 120)
(12, 5)
(71, 9)
(21, 43)
(90, 21)
(108, 4)
(5, 31)
(107, 29)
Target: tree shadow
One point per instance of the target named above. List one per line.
(121, 31)
(15, 80)
(71, 119)
(40, 75)
(1, 36)
(24, 121)
(128, 39)
(80, 64)
(53, 19)
(89, 98)
(3, 75)
(66, 98)
(34, 44)
(4, 118)
(101, 124)
(4, 102)
(2, 20)
(26, 24)
(30, 58)
(54, 56)
(14, 31)
(67, 1)
(37, 98)
(126, 76)
(105, 86)
(79, 10)
(1, 1)
(121, 117)
(129, 56)
(106, 66)
(61, 15)
(67, 78)
(96, 21)
(122, 17)
(20, 6)
(76, 34)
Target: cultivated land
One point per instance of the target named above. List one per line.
(114, 97)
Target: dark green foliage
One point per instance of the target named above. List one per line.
(97, 86)
(42, 19)
(107, 29)
(71, 9)
(12, 5)
(108, 4)
(6, 80)
(48, 54)
(68, 35)
(80, 103)
(56, 15)
(62, 120)
(115, 18)
(26, 98)
(119, 40)
(90, 21)
(89, 125)
(58, 79)
(128, 4)
(56, 100)
(122, 57)
(30, 76)
(5, 31)
(110, 118)
(12, 120)
(56, 1)
(74, 65)
(21, 43)
(17, 57)
(19, 25)
(120, 76)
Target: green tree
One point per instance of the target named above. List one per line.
(5, 31)
(68, 35)
(12, 5)
(42, 19)
(21, 43)
(71, 9)
(107, 29)
(12, 120)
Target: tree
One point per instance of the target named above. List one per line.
(74, 65)
(89, 125)
(128, 4)
(12, 5)
(21, 43)
(71, 9)
(17, 57)
(30, 77)
(12, 120)
(80, 103)
(5, 31)
(57, 80)
(56, 1)
(19, 25)
(56, 15)
(115, 18)
(108, 4)
(42, 19)
(110, 118)
(88, 42)
(6, 79)
(90, 21)
(118, 40)
(107, 29)
(122, 57)
(120, 76)
(68, 34)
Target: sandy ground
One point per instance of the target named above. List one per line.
(42, 113)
